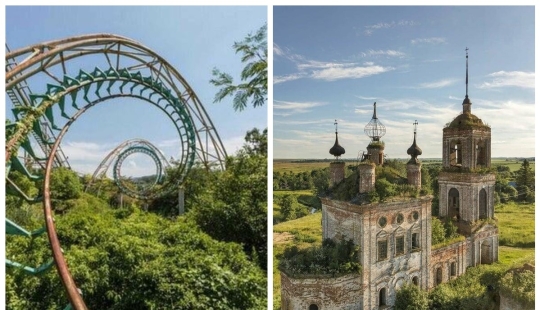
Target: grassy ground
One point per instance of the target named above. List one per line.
(512, 163)
(516, 224)
(296, 167)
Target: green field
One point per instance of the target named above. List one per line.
(516, 224)
(516, 229)
(298, 166)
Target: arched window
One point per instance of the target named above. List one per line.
(453, 203)
(382, 297)
(486, 252)
(415, 281)
(382, 246)
(455, 153)
(313, 307)
(482, 204)
(480, 154)
(438, 276)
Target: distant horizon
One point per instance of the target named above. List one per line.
(427, 158)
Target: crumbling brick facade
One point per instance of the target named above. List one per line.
(337, 172)
(394, 237)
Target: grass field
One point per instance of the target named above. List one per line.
(296, 167)
(302, 232)
(516, 224)
(516, 228)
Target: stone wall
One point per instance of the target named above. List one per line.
(366, 175)
(457, 253)
(344, 293)
(414, 174)
(337, 172)
(468, 139)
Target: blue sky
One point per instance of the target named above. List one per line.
(192, 39)
(334, 62)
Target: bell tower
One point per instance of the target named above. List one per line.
(466, 190)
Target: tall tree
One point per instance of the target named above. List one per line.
(254, 76)
(525, 182)
(525, 175)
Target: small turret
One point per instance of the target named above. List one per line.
(414, 166)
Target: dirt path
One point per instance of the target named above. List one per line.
(282, 237)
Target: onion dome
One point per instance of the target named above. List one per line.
(414, 150)
(337, 150)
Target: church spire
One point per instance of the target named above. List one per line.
(466, 101)
(467, 72)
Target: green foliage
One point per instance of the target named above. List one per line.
(525, 175)
(255, 55)
(233, 206)
(519, 286)
(287, 202)
(384, 189)
(65, 184)
(346, 189)
(450, 229)
(411, 297)
(128, 259)
(332, 258)
(373, 196)
(437, 231)
(469, 291)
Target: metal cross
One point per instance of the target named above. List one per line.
(335, 123)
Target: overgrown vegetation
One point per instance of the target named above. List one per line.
(519, 285)
(411, 297)
(332, 258)
(127, 258)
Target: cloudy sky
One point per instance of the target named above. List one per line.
(192, 39)
(334, 62)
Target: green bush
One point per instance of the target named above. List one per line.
(332, 258)
(411, 297)
(519, 286)
(135, 260)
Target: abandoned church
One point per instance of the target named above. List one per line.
(393, 237)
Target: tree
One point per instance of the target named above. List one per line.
(129, 259)
(525, 181)
(438, 232)
(233, 207)
(287, 206)
(254, 75)
(411, 297)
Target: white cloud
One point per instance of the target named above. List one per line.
(366, 98)
(337, 73)
(438, 84)
(289, 77)
(296, 107)
(369, 29)
(511, 78)
(390, 53)
(331, 70)
(434, 40)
